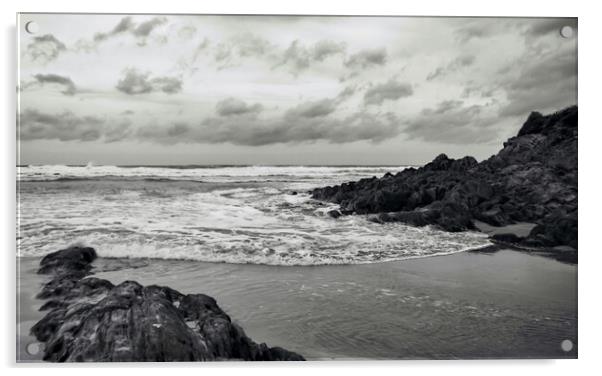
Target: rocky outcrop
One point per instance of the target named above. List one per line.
(90, 319)
(532, 179)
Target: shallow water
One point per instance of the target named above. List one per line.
(258, 215)
(468, 305)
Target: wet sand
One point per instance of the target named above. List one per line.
(506, 304)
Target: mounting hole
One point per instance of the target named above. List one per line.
(566, 345)
(566, 31)
(33, 348)
(32, 27)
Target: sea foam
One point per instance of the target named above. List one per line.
(260, 223)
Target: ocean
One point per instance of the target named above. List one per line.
(231, 214)
(286, 271)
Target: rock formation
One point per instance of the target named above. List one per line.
(532, 179)
(90, 319)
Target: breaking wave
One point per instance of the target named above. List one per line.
(267, 222)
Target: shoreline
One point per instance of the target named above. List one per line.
(299, 308)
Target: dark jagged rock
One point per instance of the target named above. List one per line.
(532, 179)
(74, 260)
(507, 238)
(90, 319)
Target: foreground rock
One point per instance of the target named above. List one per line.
(532, 179)
(90, 319)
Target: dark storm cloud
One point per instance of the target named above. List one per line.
(453, 66)
(136, 82)
(126, 25)
(56, 79)
(307, 122)
(542, 83)
(390, 90)
(64, 126)
(450, 122)
(233, 106)
(45, 48)
(367, 58)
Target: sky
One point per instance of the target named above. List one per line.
(184, 89)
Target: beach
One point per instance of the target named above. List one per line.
(468, 305)
(290, 274)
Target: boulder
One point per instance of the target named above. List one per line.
(71, 260)
(91, 320)
(507, 238)
(334, 213)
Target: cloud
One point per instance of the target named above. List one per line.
(307, 122)
(291, 129)
(67, 126)
(241, 46)
(367, 58)
(346, 93)
(135, 82)
(64, 126)
(452, 123)
(458, 63)
(296, 56)
(117, 131)
(540, 83)
(299, 57)
(475, 30)
(168, 85)
(313, 109)
(126, 25)
(326, 48)
(390, 90)
(549, 26)
(146, 27)
(233, 106)
(480, 89)
(42, 79)
(248, 45)
(45, 48)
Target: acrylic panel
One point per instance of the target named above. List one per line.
(257, 188)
